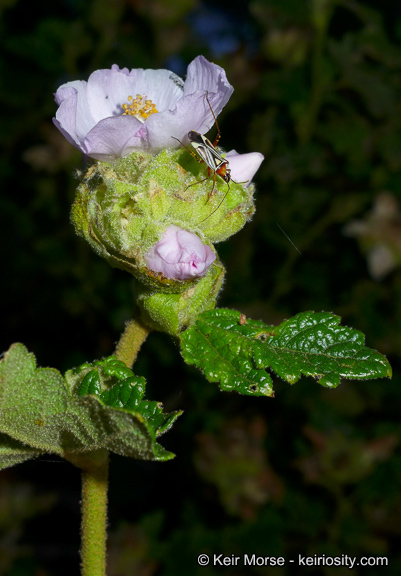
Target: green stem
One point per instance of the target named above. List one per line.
(95, 468)
(94, 514)
(131, 340)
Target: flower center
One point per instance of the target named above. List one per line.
(139, 107)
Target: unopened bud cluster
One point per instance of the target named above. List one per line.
(124, 209)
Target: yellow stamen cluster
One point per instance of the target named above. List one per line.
(139, 107)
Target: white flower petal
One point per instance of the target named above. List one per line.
(181, 107)
(159, 87)
(204, 75)
(74, 114)
(189, 114)
(108, 90)
(113, 138)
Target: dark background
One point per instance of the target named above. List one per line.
(312, 471)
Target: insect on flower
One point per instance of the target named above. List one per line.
(208, 154)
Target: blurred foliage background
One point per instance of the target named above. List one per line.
(312, 471)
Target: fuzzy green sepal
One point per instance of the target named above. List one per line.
(124, 208)
(173, 313)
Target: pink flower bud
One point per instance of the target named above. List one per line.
(244, 166)
(179, 254)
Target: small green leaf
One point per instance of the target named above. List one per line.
(116, 386)
(127, 394)
(235, 351)
(153, 411)
(90, 409)
(90, 384)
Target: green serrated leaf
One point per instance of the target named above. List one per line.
(161, 422)
(127, 394)
(235, 351)
(117, 386)
(90, 384)
(42, 412)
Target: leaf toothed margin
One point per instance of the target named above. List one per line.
(235, 351)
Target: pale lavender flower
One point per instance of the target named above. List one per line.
(244, 166)
(119, 111)
(179, 254)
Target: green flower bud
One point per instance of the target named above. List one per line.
(124, 209)
(173, 313)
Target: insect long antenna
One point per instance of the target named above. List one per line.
(182, 144)
(215, 121)
(188, 150)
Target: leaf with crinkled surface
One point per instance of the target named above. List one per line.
(116, 386)
(43, 412)
(235, 351)
(13, 452)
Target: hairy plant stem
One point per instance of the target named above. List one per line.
(131, 340)
(94, 469)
